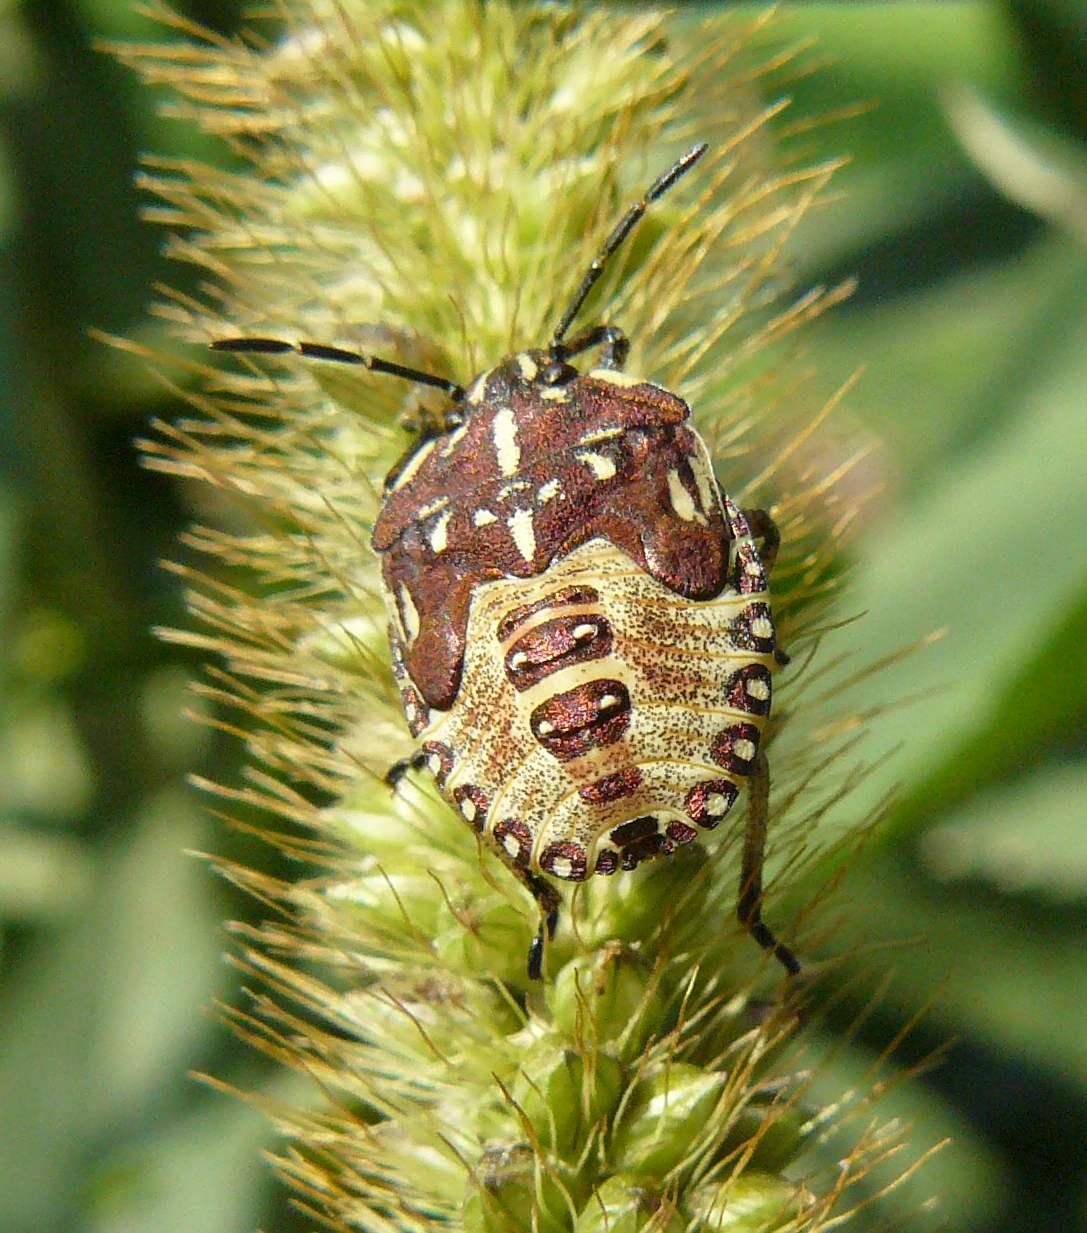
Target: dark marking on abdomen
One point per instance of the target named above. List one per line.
(735, 748)
(612, 787)
(556, 644)
(562, 598)
(587, 717)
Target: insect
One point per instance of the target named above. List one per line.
(580, 622)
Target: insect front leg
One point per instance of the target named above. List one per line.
(749, 900)
(614, 344)
(765, 528)
(414, 762)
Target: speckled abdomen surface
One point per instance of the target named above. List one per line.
(603, 719)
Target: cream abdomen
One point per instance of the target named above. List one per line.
(602, 718)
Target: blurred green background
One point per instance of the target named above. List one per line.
(964, 216)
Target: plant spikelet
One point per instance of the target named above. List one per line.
(424, 182)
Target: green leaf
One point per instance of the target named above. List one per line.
(1010, 973)
(1007, 737)
(995, 551)
(988, 841)
(199, 1172)
(43, 876)
(1030, 162)
(105, 1020)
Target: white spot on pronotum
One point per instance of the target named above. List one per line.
(518, 659)
(409, 614)
(758, 688)
(682, 501)
(483, 518)
(613, 377)
(706, 485)
(439, 536)
(608, 701)
(555, 394)
(548, 491)
(507, 490)
(602, 466)
(562, 866)
(602, 434)
(762, 627)
(453, 440)
(744, 750)
(468, 808)
(511, 843)
(715, 804)
(527, 365)
(435, 763)
(524, 535)
(544, 728)
(581, 633)
(506, 449)
(411, 467)
(432, 507)
(478, 388)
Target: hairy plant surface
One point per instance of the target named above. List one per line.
(425, 182)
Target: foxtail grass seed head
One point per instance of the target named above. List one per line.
(428, 184)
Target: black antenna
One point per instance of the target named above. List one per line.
(620, 232)
(319, 351)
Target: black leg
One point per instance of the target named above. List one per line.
(547, 897)
(416, 762)
(549, 922)
(749, 901)
(765, 528)
(616, 345)
(547, 900)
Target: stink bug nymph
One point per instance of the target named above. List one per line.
(579, 617)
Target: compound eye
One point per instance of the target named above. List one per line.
(557, 372)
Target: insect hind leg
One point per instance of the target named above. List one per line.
(546, 896)
(548, 901)
(749, 899)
